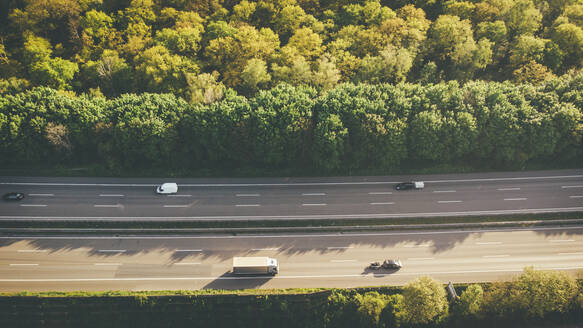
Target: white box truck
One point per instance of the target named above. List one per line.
(255, 265)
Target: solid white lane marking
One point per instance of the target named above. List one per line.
(188, 250)
(448, 201)
(380, 193)
(489, 243)
(33, 205)
(319, 204)
(32, 250)
(420, 258)
(496, 256)
(247, 195)
(295, 184)
(186, 263)
(568, 187)
(577, 196)
(339, 247)
(105, 264)
(507, 189)
(181, 195)
(573, 253)
(387, 203)
(41, 195)
(23, 264)
(247, 205)
(514, 198)
(342, 261)
(111, 195)
(561, 240)
(117, 205)
(444, 191)
(299, 217)
(176, 205)
(112, 250)
(314, 194)
(266, 249)
(279, 276)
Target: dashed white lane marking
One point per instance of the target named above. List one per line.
(420, 245)
(489, 243)
(107, 264)
(496, 256)
(514, 198)
(576, 196)
(420, 258)
(444, 191)
(567, 187)
(247, 205)
(339, 247)
(266, 249)
(33, 205)
(188, 250)
(117, 205)
(23, 264)
(176, 205)
(41, 195)
(573, 253)
(112, 250)
(387, 203)
(111, 195)
(247, 195)
(448, 201)
(32, 250)
(181, 195)
(187, 263)
(318, 204)
(314, 194)
(561, 240)
(342, 261)
(508, 189)
(380, 193)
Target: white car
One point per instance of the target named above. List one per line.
(167, 188)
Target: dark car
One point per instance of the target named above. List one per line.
(409, 185)
(13, 196)
(392, 264)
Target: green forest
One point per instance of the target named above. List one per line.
(197, 49)
(319, 86)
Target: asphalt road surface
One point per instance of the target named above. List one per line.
(285, 198)
(308, 260)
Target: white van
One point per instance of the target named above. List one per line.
(167, 188)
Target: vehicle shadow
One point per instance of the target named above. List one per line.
(230, 281)
(378, 273)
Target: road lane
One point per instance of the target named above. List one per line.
(87, 198)
(308, 260)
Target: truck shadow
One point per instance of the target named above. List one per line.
(231, 281)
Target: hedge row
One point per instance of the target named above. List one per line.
(351, 127)
(534, 298)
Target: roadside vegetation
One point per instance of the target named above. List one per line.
(535, 298)
(289, 87)
(349, 129)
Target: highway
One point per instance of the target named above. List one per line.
(98, 263)
(293, 198)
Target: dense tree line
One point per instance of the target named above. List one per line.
(198, 49)
(533, 298)
(361, 126)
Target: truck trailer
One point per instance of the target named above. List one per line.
(255, 265)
